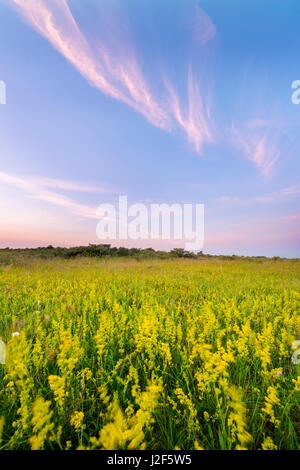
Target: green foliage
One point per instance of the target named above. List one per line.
(21, 256)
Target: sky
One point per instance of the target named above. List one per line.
(167, 101)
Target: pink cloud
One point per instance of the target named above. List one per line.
(121, 80)
(70, 185)
(270, 198)
(110, 64)
(195, 120)
(204, 29)
(259, 143)
(257, 234)
(36, 188)
(293, 217)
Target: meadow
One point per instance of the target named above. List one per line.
(150, 354)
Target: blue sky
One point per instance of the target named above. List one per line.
(186, 101)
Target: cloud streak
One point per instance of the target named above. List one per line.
(204, 29)
(111, 65)
(37, 189)
(70, 186)
(120, 79)
(271, 198)
(293, 217)
(259, 143)
(195, 121)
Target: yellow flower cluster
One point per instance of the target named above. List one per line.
(123, 432)
(271, 401)
(237, 421)
(58, 386)
(268, 444)
(77, 420)
(41, 422)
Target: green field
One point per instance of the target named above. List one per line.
(149, 354)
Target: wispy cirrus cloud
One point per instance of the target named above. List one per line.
(195, 119)
(252, 235)
(271, 198)
(111, 65)
(258, 140)
(113, 71)
(204, 29)
(293, 217)
(70, 185)
(37, 188)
